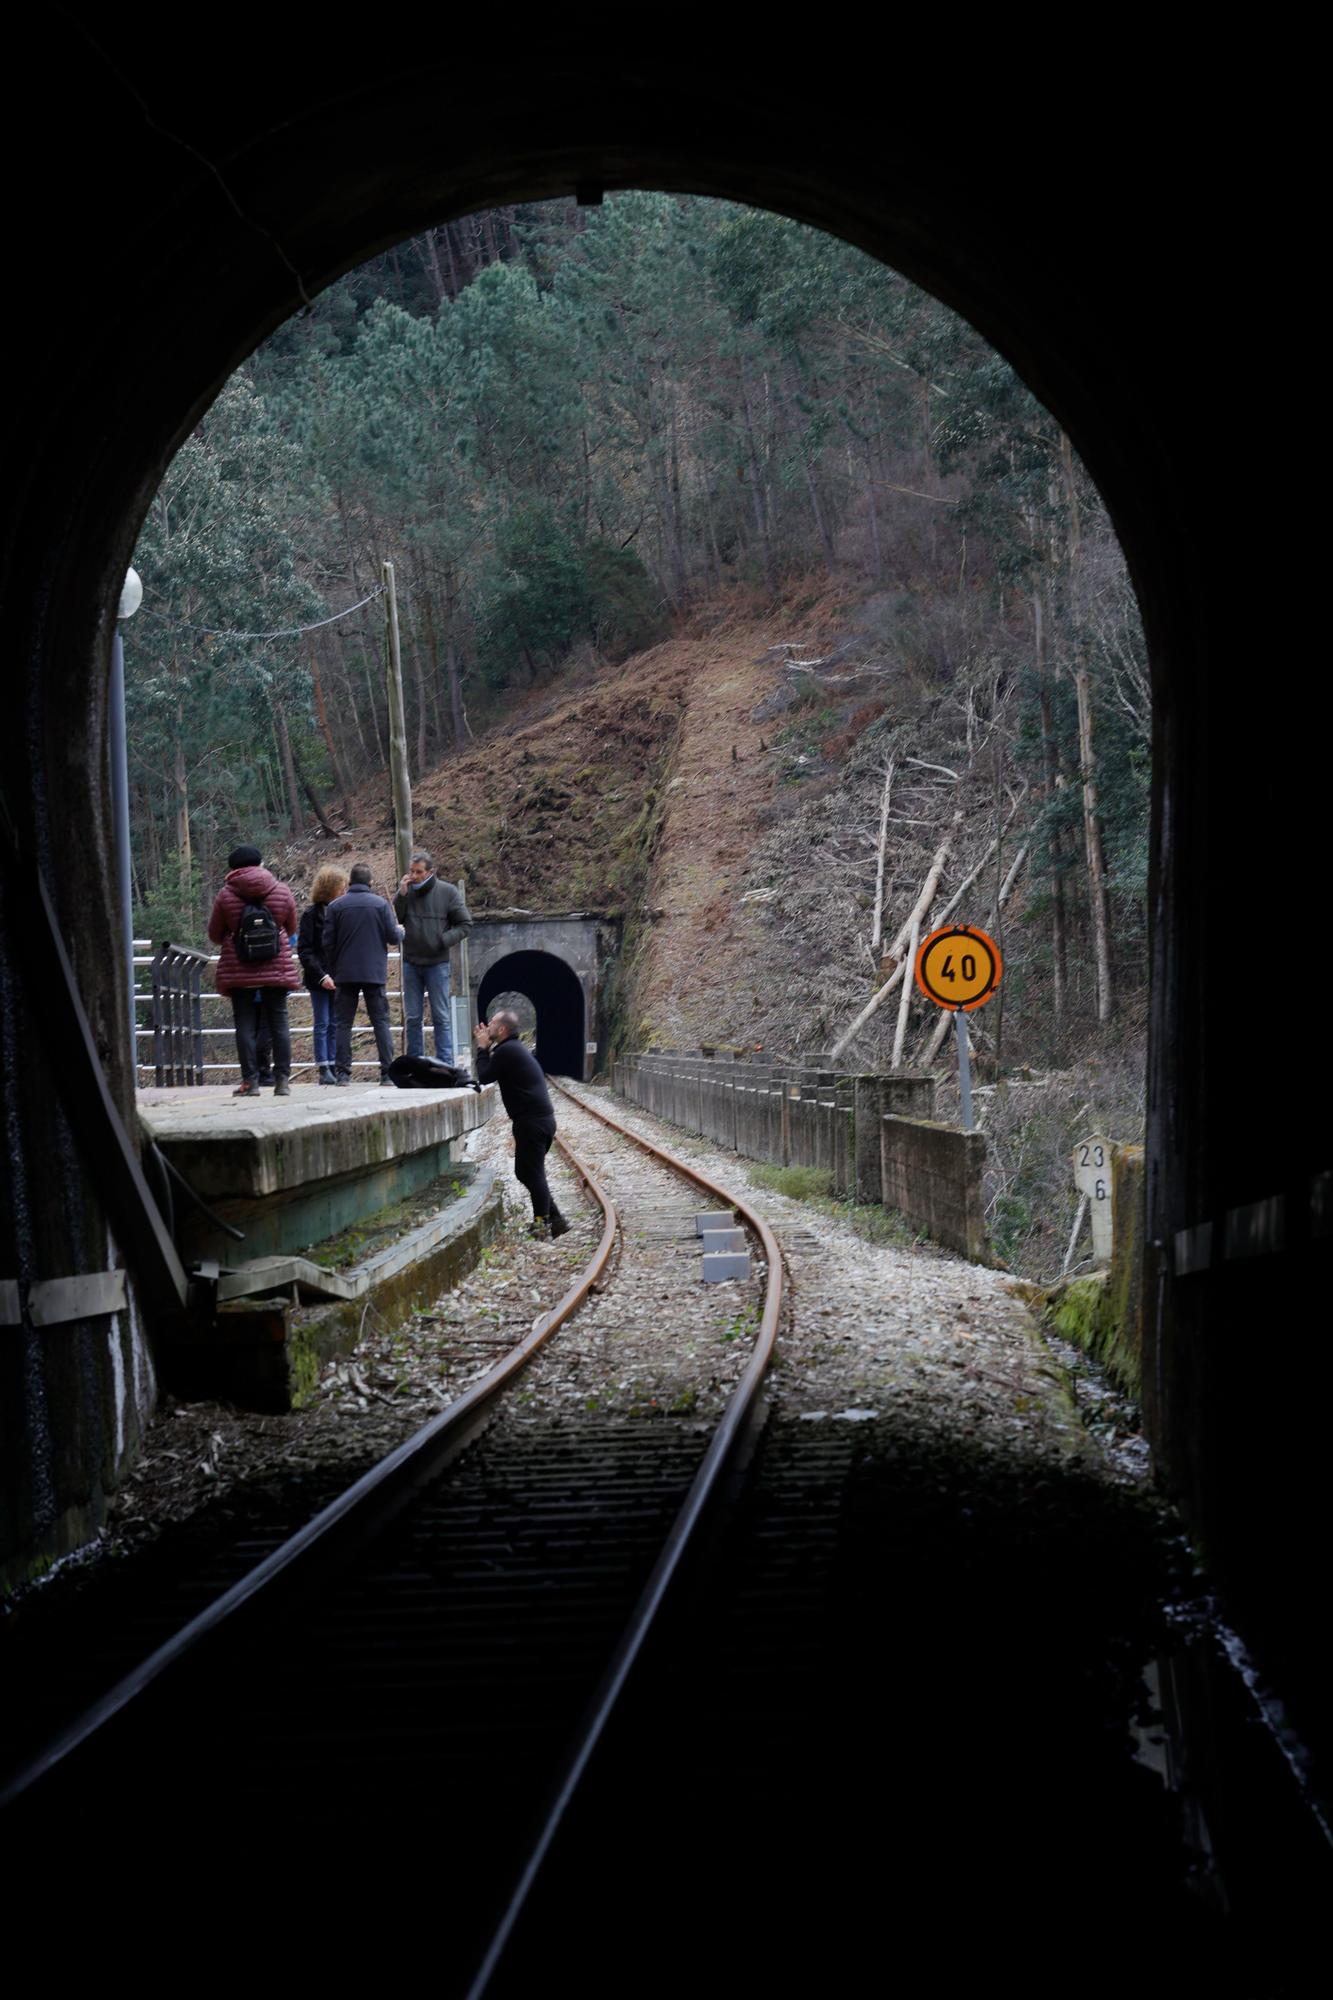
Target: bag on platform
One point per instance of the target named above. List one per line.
(425, 1073)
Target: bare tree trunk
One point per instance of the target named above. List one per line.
(1071, 493)
(677, 529)
(456, 712)
(757, 489)
(419, 675)
(914, 922)
(877, 928)
(402, 783)
(432, 262)
(901, 1029)
(335, 761)
(427, 607)
(351, 706)
(316, 808)
(288, 767)
(874, 519)
(1051, 773)
(182, 789)
(712, 537)
(1092, 835)
(818, 512)
(381, 754)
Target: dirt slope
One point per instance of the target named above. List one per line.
(549, 811)
(641, 789)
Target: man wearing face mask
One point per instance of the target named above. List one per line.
(502, 1059)
(433, 916)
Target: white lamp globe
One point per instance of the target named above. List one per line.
(131, 597)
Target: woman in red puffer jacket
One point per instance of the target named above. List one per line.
(272, 977)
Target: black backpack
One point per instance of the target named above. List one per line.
(258, 936)
(425, 1073)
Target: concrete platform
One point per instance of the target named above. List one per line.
(266, 1353)
(292, 1171)
(256, 1146)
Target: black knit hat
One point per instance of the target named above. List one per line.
(244, 857)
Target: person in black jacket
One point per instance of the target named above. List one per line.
(359, 929)
(502, 1059)
(328, 885)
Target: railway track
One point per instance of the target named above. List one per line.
(442, 1648)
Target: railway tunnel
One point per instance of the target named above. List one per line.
(214, 198)
(557, 1000)
(558, 962)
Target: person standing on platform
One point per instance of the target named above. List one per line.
(359, 929)
(434, 917)
(502, 1059)
(328, 885)
(252, 917)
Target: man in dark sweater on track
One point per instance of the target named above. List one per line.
(502, 1059)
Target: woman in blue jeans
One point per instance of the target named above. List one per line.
(329, 884)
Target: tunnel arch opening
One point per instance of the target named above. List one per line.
(557, 998)
(1093, 294)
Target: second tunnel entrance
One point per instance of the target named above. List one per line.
(557, 998)
(557, 963)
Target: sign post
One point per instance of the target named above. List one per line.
(1092, 1178)
(959, 967)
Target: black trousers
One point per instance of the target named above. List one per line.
(532, 1142)
(344, 1013)
(247, 1012)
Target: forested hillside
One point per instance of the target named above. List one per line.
(581, 434)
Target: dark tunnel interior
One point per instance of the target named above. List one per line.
(555, 992)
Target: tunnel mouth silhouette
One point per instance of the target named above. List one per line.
(556, 994)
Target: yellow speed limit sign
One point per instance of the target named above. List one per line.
(959, 967)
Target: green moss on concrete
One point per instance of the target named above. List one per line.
(298, 1217)
(1075, 1309)
(267, 1354)
(1103, 1313)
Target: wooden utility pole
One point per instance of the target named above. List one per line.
(465, 988)
(402, 784)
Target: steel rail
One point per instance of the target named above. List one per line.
(347, 1521)
(725, 1440)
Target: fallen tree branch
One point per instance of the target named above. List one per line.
(922, 905)
(877, 931)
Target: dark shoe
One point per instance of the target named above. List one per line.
(326, 1074)
(389, 1081)
(559, 1227)
(266, 1076)
(243, 1089)
(540, 1227)
(281, 1087)
(342, 1081)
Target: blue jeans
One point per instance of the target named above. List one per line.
(421, 982)
(321, 1007)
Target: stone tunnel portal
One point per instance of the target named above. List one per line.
(557, 994)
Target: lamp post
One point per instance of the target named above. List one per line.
(131, 597)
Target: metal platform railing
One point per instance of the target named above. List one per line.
(187, 1046)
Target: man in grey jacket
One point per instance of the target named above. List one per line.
(433, 916)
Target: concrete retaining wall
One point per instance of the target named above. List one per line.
(932, 1174)
(796, 1116)
(1103, 1311)
(266, 1354)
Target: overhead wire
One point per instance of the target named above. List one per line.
(290, 632)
